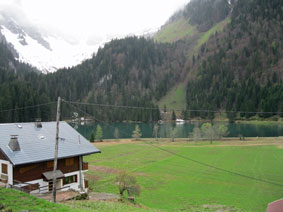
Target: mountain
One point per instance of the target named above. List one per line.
(195, 21)
(47, 51)
(132, 71)
(230, 61)
(240, 67)
(193, 25)
(234, 57)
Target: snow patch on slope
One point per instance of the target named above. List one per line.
(61, 53)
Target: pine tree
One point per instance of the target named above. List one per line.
(91, 137)
(99, 133)
(173, 116)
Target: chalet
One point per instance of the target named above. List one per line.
(27, 154)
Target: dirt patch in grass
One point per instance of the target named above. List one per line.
(114, 141)
(253, 141)
(92, 177)
(104, 169)
(60, 196)
(141, 174)
(103, 196)
(220, 208)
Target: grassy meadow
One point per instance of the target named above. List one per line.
(17, 201)
(172, 183)
(174, 31)
(176, 98)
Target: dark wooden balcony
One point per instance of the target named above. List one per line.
(85, 165)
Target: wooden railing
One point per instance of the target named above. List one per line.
(85, 165)
(27, 187)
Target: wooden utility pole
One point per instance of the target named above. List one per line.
(81, 176)
(56, 149)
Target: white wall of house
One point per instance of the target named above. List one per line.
(9, 169)
(76, 185)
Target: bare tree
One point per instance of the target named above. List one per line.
(155, 131)
(128, 182)
(137, 133)
(212, 132)
(196, 134)
(208, 132)
(173, 133)
(116, 133)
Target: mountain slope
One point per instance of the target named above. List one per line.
(198, 17)
(240, 69)
(131, 71)
(194, 24)
(175, 30)
(236, 65)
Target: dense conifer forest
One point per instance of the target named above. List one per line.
(240, 69)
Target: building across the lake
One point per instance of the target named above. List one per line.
(27, 154)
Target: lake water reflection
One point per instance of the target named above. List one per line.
(125, 130)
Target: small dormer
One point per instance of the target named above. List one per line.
(14, 143)
(38, 123)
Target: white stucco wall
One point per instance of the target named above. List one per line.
(9, 169)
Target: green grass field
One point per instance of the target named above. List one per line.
(217, 28)
(171, 183)
(176, 98)
(18, 201)
(174, 31)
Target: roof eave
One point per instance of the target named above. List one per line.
(7, 157)
(40, 161)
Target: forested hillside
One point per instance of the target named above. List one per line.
(17, 91)
(240, 69)
(131, 71)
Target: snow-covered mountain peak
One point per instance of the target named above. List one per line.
(46, 52)
(48, 49)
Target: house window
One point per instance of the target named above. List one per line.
(4, 168)
(50, 164)
(70, 179)
(69, 161)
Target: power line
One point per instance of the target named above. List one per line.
(22, 108)
(168, 109)
(193, 160)
(217, 168)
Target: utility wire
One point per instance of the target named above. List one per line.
(168, 109)
(191, 159)
(31, 106)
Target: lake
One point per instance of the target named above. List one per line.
(252, 129)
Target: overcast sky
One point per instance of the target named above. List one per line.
(98, 17)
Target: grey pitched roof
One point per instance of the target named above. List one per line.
(49, 175)
(38, 144)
